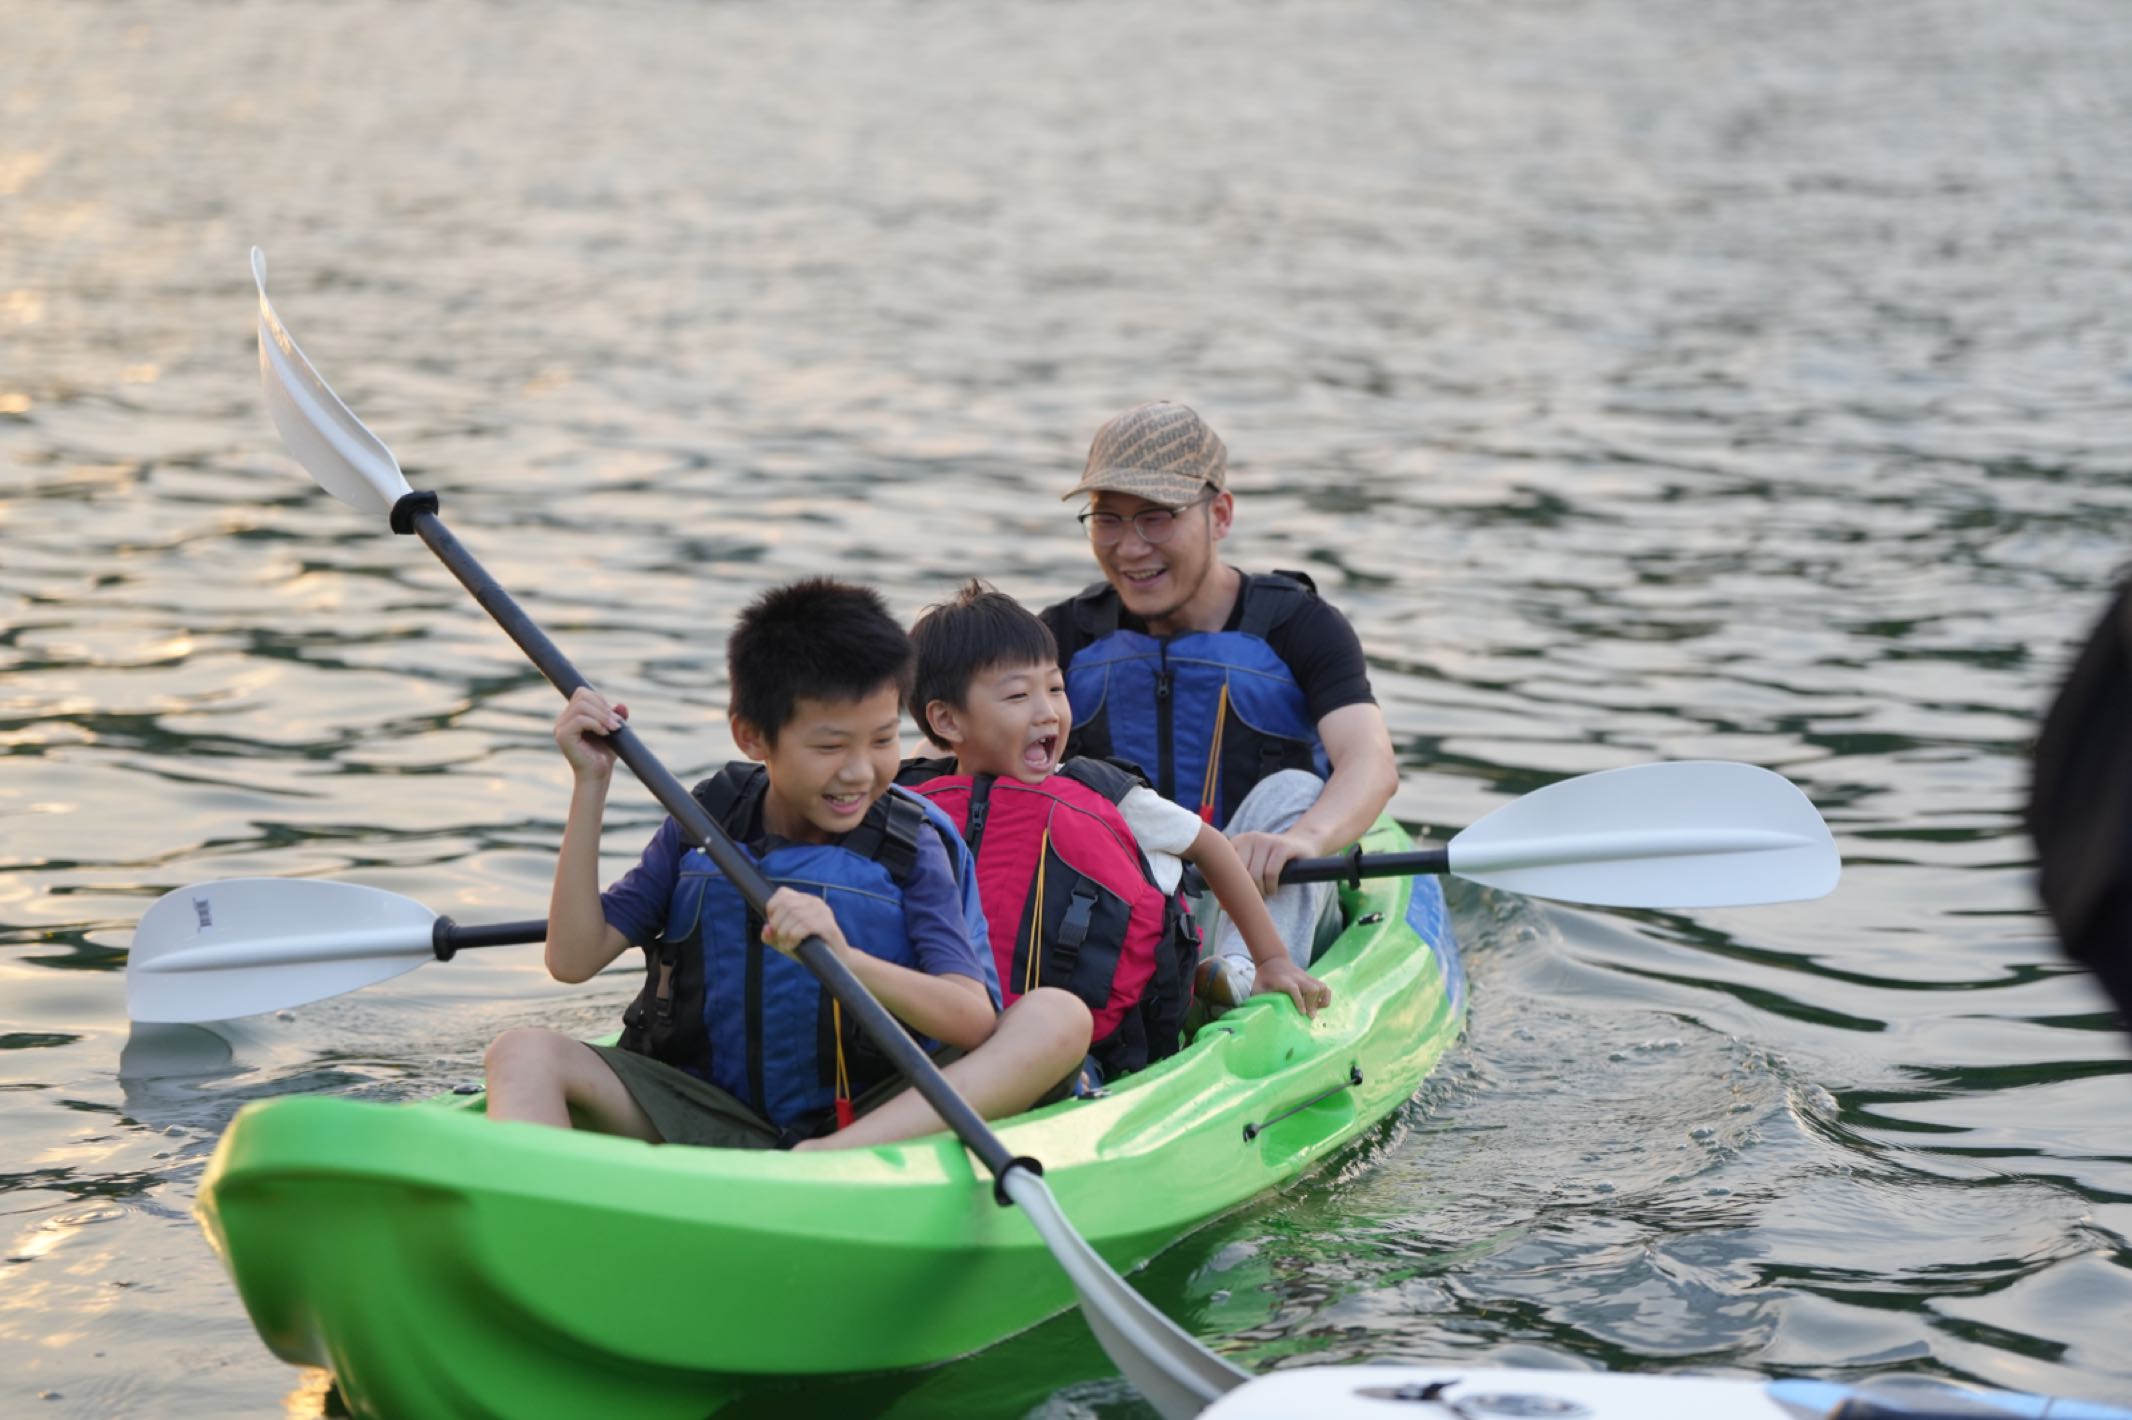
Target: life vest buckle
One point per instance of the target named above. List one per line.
(1073, 930)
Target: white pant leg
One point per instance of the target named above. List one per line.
(1303, 913)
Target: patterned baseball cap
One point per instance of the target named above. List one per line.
(1162, 452)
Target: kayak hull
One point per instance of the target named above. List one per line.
(442, 1264)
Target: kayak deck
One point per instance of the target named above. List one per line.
(439, 1263)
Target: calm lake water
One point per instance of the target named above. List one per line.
(1686, 378)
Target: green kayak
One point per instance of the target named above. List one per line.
(439, 1264)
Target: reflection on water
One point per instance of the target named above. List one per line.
(1667, 380)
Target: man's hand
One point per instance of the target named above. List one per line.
(792, 917)
(1305, 990)
(1265, 854)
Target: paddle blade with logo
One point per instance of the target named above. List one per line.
(245, 945)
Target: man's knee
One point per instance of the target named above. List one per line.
(1290, 783)
(1275, 802)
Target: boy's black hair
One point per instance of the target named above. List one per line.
(818, 638)
(958, 640)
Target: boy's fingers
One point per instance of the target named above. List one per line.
(592, 707)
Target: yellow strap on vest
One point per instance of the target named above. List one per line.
(1207, 785)
(843, 1083)
(1033, 967)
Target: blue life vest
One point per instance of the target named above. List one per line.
(1173, 704)
(726, 1008)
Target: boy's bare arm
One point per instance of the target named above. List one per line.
(580, 942)
(1238, 895)
(954, 1010)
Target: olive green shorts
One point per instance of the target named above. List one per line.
(686, 1110)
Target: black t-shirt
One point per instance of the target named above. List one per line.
(1316, 642)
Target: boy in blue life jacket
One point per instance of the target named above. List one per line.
(732, 1042)
(1078, 863)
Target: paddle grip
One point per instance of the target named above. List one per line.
(1355, 865)
(448, 938)
(1350, 867)
(883, 1029)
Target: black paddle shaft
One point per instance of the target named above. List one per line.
(448, 938)
(1355, 865)
(417, 513)
(1349, 867)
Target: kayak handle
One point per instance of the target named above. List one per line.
(1354, 1078)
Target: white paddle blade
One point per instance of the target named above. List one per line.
(216, 951)
(1691, 834)
(348, 460)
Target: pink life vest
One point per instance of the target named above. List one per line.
(1069, 903)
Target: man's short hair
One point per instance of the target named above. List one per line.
(960, 639)
(817, 639)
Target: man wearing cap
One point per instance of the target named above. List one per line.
(1242, 695)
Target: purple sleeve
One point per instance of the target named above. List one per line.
(932, 916)
(636, 905)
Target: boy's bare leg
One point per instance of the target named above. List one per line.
(541, 1077)
(1039, 1040)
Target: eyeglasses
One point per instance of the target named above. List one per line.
(1150, 525)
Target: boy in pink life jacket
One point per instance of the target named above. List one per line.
(1075, 861)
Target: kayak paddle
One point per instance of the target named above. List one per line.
(1691, 834)
(216, 951)
(1173, 1371)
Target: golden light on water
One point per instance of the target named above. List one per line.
(19, 170)
(308, 1400)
